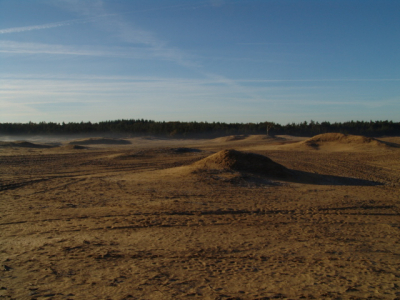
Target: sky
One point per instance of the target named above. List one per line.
(199, 60)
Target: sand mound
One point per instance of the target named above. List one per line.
(99, 141)
(263, 137)
(73, 147)
(163, 152)
(184, 150)
(243, 161)
(230, 138)
(342, 138)
(339, 142)
(253, 138)
(23, 144)
(69, 148)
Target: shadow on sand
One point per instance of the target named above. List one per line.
(245, 168)
(320, 179)
(248, 179)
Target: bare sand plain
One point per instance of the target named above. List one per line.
(146, 218)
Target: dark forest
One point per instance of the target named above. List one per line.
(177, 129)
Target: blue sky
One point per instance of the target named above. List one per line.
(213, 60)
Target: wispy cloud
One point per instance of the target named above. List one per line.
(55, 24)
(128, 32)
(36, 27)
(158, 48)
(89, 9)
(10, 110)
(29, 95)
(273, 43)
(50, 89)
(18, 48)
(217, 3)
(145, 44)
(38, 48)
(318, 80)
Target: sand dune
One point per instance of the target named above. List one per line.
(264, 138)
(100, 141)
(171, 221)
(249, 138)
(342, 138)
(73, 147)
(68, 149)
(242, 161)
(230, 138)
(235, 165)
(23, 144)
(338, 142)
(156, 152)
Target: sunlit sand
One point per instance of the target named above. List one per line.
(238, 217)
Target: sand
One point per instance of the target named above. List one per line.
(232, 160)
(340, 142)
(23, 144)
(253, 218)
(99, 141)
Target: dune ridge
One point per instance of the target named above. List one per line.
(339, 142)
(23, 144)
(342, 138)
(230, 138)
(94, 141)
(253, 138)
(73, 147)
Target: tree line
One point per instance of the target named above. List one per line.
(141, 127)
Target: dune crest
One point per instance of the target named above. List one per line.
(339, 142)
(73, 147)
(342, 138)
(94, 141)
(253, 138)
(23, 144)
(230, 138)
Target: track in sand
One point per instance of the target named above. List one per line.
(188, 219)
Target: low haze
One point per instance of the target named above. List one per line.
(229, 61)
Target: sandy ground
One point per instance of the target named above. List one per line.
(146, 220)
